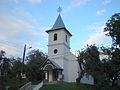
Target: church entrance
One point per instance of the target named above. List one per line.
(48, 73)
(52, 72)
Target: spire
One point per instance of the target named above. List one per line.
(58, 23)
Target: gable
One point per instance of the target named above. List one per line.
(51, 63)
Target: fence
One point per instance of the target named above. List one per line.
(37, 87)
(27, 86)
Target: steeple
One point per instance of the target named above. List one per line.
(58, 23)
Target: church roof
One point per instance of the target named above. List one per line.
(59, 24)
(56, 66)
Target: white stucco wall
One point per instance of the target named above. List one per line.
(64, 58)
(61, 37)
(70, 68)
(87, 79)
(60, 44)
(59, 60)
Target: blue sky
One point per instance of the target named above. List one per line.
(25, 21)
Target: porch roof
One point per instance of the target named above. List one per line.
(48, 62)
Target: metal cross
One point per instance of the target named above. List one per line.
(59, 9)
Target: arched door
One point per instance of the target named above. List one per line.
(49, 74)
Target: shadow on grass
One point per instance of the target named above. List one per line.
(73, 86)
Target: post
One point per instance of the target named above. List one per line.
(22, 68)
(24, 53)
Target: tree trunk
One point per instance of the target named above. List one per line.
(2, 83)
(114, 81)
(81, 74)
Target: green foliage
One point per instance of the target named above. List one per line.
(113, 28)
(11, 69)
(112, 65)
(108, 69)
(16, 69)
(5, 66)
(15, 83)
(36, 59)
(91, 57)
(90, 62)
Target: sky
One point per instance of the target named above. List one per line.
(25, 22)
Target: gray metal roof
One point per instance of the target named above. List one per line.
(56, 66)
(58, 23)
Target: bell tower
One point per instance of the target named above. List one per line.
(58, 41)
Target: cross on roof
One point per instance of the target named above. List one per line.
(59, 9)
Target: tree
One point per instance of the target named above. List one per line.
(2, 84)
(35, 60)
(113, 29)
(5, 66)
(5, 63)
(81, 62)
(111, 65)
(89, 62)
(16, 68)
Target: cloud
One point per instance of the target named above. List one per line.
(78, 2)
(34, 1)
(38, 33)
(75, 3)
(29, 1)
(107, 1)
(2, 37)
(98, 37)
(14, 34)
(10, 24)
(96, 27)
(16, 31)
(10, 50)
(101, 12)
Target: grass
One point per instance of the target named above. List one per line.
(35, 82)
(71, 86)
(15, 83)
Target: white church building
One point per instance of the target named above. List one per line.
(61, 65)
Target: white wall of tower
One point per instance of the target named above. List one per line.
(60, 44)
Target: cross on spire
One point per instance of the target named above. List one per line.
(59, 9)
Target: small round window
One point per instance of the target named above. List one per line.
(55, 51)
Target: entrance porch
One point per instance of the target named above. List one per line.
(52, 71)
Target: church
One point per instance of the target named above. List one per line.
(62, 64)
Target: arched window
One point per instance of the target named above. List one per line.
(66, 38)
(55, 36)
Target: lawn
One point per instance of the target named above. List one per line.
(71, 86)
(15, 83)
